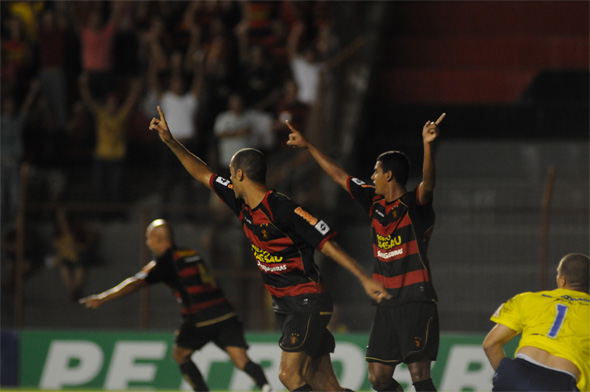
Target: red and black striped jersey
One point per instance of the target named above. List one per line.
(400, 231)
(184, 271)
(283, 238)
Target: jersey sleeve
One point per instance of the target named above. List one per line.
(314, 231)
(509, 313)
(149, 274)
(223, 188)
(360, 192)
(156, 271)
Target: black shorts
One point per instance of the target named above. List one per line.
(306, 332)
(404, 333)
(522, 375)
(228, 332)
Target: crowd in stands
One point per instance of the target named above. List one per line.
(81, 80)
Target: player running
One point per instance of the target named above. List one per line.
(405, 328)
(283, 237)
(207, 314)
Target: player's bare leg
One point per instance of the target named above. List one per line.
(420, 372)
(292, 370)
(187, 367)
(321, 376)
(241, 360)
(381, 377)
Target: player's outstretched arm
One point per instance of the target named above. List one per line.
(126, 287)
(495, 341)
(374, 289)
(296, 139)
(430, 133)
(193, 164)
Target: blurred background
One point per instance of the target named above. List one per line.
(82, 175)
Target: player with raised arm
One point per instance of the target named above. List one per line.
(405, 328)
(207, 314)
(554, 350)
(283, 237)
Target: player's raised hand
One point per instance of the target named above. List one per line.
(296, 139)
(161, 126)
(91, 302)
(375, 290)
(430, 130)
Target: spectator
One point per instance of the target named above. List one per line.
(184, 102)
(73, 244)
(97, 39)
(258, 76)
(52, 56)
(304, 65)
(111, 146)
(283, 158)
(12, 142)
(17, 59)
(233, 130)
(32, 258)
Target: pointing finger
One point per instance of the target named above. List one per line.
(161, 113)
(289, 125)
(440, 118)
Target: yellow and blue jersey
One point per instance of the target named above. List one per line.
(557, 321)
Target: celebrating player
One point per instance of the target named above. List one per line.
(554, 350)
(207, 314)
(283, 238)
(405, 328)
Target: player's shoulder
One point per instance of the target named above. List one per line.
(185, 253)
(278, 196)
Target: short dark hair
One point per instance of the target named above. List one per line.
(253, 164)
(574, 267)
(397, 163)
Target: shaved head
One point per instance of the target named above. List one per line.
(574, 268)
(159, 237)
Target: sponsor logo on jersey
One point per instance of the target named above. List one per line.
(224, 182)
(265, 257)
(386, 242)
(389, 255)
(312, 220)
(322, 227)
(278, 268)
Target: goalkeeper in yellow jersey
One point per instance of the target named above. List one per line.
(554, 350)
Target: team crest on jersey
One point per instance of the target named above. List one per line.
(417, 341)
(294, 339)
(395, 212)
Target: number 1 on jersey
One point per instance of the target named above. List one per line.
(559, 317)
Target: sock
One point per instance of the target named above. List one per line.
(424, 385)
(254, 370)
(392, 387)
(304, 388)
(193, 376)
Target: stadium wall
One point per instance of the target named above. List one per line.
(131, 360)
